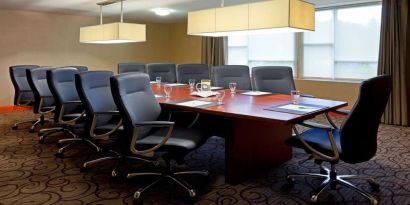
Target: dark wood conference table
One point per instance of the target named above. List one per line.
(256, 139)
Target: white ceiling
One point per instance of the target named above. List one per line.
(138, 9)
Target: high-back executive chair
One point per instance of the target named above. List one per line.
(43, 99)
(131, 67)
(166, 71)
(192, 71)
(223, 75)
(69, 110)
(146, 135)
(103, 122)
(79, 67)
(22, 91)
(274, 79)
(354, 142)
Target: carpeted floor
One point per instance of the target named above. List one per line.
(30, 174)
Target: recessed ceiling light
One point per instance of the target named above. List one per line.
(162, 11)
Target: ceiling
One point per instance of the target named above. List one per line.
(138, 10)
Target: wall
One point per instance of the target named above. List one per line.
(52, 39)
(184, 48)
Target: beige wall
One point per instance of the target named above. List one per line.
(52, 39)
(184, 48)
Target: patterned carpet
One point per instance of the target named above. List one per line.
(30, 174)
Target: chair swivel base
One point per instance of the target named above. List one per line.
(330, 178)
(168, 174)
(73, 141)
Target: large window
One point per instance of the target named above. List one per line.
(261, 50)
(345, 45)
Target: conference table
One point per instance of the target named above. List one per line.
(256, 139)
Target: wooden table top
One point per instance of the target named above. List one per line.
(245, 106)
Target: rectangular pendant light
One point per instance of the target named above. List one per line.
(261, 17)
(113, 33)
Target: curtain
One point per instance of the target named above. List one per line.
(394, 59)
(214, 51)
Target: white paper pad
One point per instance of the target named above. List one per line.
(153, 82)
(256, 93)
(159, 96)
(194, 103)
(216, 88)
(204, 94)
(300, 108)
(175, 84)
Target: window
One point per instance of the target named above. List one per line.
(262, 50)
(345, 45)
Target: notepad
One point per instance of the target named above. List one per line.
(204, 94)
(256, 93)
(217, 88)
(159, 96)
(195, 103)
(153, 82)
(300, 108)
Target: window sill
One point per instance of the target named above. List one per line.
(355, 81)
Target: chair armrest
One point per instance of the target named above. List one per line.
(155, 124)
(111, 112)
(184, 111)
(307, 95)
(310, 124)
(150, 152)
(73, 102)
(342, 112)
(315, 152)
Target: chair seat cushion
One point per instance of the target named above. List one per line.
(318, 139)
(182, 139)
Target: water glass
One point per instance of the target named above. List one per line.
(191, 83)
(158, 79)
(232, 87)
(167, 90)
(295, 96)
(220, 97)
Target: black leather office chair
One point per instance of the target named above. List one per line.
(103, 121)
(43, 99)
(69, 111)
(223, 75)
(274, 79)
(166, 71)
(192, 71)
(131, 67)
(140, 111)
(354, 142)
(22, 91)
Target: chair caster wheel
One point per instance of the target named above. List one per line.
(15, 127)
(137, 195)
(313, 199)
(84, 169)
(114, 174)
(373, 201)
(290, 180)
(192, 193)
(138, 202)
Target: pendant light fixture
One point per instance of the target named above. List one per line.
(113, 33)
(252, 18)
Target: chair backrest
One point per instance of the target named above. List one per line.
(164, 70)
(192, 71)
(22, 90)
(223, 75)
(37, 79)
(94, 90)
(79, 67)
(131, 67)
(275, 79)
(135, 100)
(62, 85)
(358, 132)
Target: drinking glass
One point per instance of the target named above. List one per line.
(295, 96)
(232, 87)
(158, 79)
(220, 97)
(167, 90)
(191, 83)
